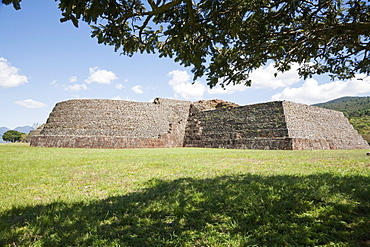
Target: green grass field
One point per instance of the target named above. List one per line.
(183, 197)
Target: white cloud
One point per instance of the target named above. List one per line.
(119, 86)
(73, 79)
(116, 98)
(311, 92)
(30, 103)
(137, 89)
(76, 87)
(229, 89)
(101, 76)
(53, 82)
(9, 75)
(183, 87)
(264, 77)
(128, 99)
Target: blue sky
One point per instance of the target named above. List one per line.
(43, 61)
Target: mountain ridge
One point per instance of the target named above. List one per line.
(350, 106)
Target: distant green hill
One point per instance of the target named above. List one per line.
(350, 106)
(356, 109)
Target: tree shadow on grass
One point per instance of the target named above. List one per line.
(240, 210)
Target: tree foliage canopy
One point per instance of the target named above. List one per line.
(12, 136)
(226, 40)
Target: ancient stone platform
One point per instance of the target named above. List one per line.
(280, 125)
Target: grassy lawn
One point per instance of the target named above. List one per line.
(183, 197)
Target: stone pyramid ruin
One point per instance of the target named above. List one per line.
(280, 125)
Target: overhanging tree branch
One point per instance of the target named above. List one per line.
(226, 40)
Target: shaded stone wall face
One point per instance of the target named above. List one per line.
(260, 126)
(115, 124)
(313, 128)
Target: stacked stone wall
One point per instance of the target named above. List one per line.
(115, 124)
(260, 126)
(313, 128)
(210, 124)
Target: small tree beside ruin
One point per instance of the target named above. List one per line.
(12, 136)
